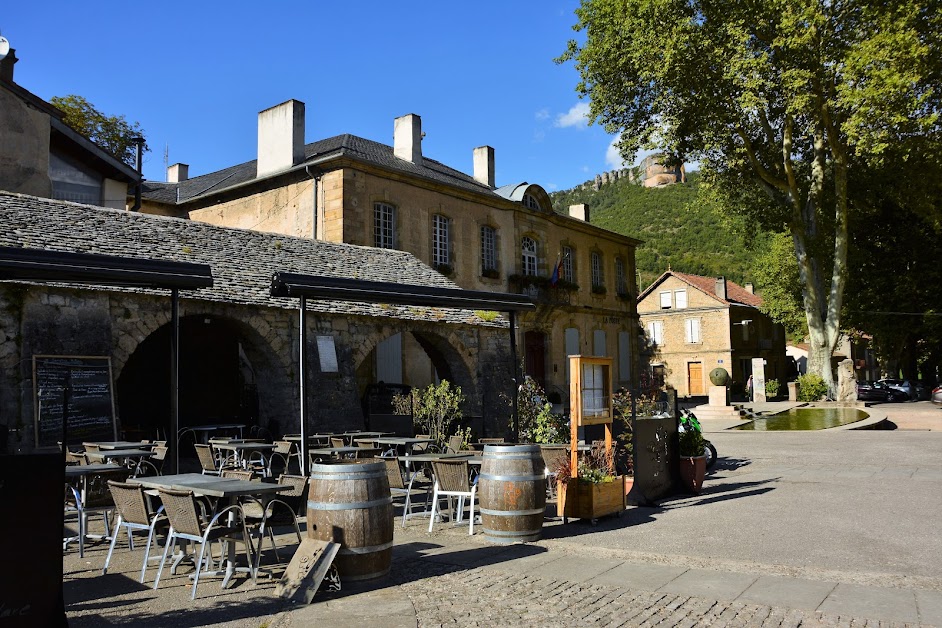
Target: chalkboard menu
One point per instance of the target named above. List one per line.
(91, 401)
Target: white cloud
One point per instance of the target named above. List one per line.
(552, 186)
(577, 116)
(613, 157)
(542, 114)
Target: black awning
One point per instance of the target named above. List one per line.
(336, 289)
(41, 265)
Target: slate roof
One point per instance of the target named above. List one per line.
(242, 261)
(735, 294)
(334, 147)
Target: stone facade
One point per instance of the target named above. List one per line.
(702, 331)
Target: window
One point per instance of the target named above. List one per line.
(656, 332)
(568, 273)
(440, 255)
(74, 181)
(528, 259)
(692, 329)
(620, 286)
(384, 226)
(745, 331)
(488, 249)
(624, 357)
(598, 278)
(530, 202)
(599, 343)
(665, 300)
(680, 299)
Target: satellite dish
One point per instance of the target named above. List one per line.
(4, 47)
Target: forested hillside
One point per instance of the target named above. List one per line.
(679, 229)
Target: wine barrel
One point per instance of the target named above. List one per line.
(349, 503)
(512, 493)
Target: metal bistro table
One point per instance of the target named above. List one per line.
(473, 460)
(227, 491)
(202, 432)
(349, 437)
(127, 456)
(402, 444)
(331, 451)
(240, 449)
(118, 444)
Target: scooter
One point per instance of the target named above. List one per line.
(689, 421)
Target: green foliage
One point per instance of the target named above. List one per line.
(434, 409)
(112, 133)
(549, 427)
(772, 387)
(775, 272)
(488, 316)
(811, 387)
(691, 444)
(538, 424)
(680, 228)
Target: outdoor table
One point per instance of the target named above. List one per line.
(240, 448)
(227, 491)
(127, 455)
(318, 439)
(203, 431)
(332, 451)
(82, 473)
(350, 436)
(402, 444)
(474, 460)
(118, 444)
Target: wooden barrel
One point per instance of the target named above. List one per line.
(349, 503)
(512, 493)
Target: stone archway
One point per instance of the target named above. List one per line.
(228, 373)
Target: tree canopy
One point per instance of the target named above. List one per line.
(112, 133)
(780, 101)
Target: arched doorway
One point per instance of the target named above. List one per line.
(219, 366)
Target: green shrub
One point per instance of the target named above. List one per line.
(811, 387)
(434, 409)
(771, 388)
(691, 444)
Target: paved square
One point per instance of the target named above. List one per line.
(787, 592)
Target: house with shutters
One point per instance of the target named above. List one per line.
(353, 190)
(694, 324)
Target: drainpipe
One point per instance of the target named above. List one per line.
(139, 142)
(315, 217)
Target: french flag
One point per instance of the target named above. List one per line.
(557, 270)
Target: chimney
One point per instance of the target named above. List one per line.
(280, 137)
(6, 66)
(484, 166)
(721, 287)
(750, 288)
(580, 212)
(407, 138)
(178, 173)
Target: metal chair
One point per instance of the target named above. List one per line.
(93, 498)
(336, 441)
(207, 459)
(285, 450)
(187, 524)
(451, 480)
(363, 452)
(267, 516)
(133, 514)
(454, 444)
(398, 485)
(238, 474)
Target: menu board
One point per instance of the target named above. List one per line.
(90, 401)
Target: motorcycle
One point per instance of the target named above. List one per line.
(689, 421)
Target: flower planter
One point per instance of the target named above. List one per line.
(692, 471)
(585, 500)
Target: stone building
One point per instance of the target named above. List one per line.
(42, 156)
(239, 346)
(693, 324)
(357, 191)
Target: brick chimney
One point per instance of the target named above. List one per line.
(721, 287)
(6, 66)
(280, 137)
(484, 166)
(407, 138)
(750, 288)
(178, 173)
(580, 212)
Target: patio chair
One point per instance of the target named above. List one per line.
(365, 443)
(94, 498)
(284, 450)
(187, 524)
(238, 474)
(133, 514)
(451, 480)
(399, 486)
(363, 452)
(454, 444)
(72, 458)
(207, 459)
(265, 517)
(338, 441)
(421, 448)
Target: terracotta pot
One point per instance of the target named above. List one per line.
(629, 483)
(692, 471)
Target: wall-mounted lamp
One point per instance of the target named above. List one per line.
(745, 322)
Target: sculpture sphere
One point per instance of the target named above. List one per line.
(719, 376)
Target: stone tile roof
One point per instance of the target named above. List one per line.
(243, 261)
(339, 146)
(735, 294)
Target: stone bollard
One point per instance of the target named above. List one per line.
(793, 391)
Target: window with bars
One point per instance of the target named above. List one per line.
(598, 277)
(488, 249)
(440, 255)
(568, 267)
(384, 226)
(621, 287)
(528, 256)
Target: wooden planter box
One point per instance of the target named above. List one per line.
(584, 500)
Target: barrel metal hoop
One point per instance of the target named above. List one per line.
(511, 533)
(365, 550)
(348, 505)
(511, 478)
(510, 513)
(348, 476)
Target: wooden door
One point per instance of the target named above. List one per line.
(695, 378)
(535, 356)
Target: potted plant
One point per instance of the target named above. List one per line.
(595, 492)
(692, 451)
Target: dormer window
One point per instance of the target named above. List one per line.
(530, 202)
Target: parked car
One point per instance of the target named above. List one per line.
(923, 390)
(878, 391)
(937, 395)
(902, 385)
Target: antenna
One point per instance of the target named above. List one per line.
(166, 157)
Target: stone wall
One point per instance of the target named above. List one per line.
(24, 136)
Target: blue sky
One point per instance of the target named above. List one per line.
(196, 74)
